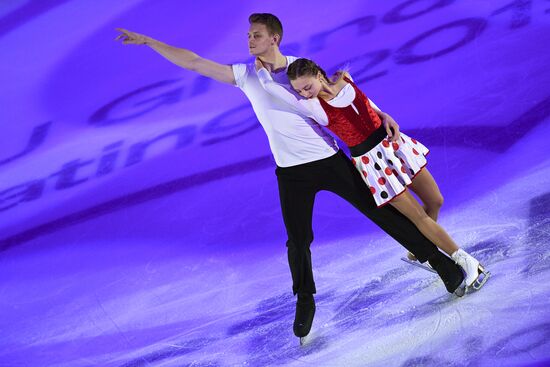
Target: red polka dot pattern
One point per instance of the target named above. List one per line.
(393, 163)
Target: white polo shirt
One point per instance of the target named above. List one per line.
(293, 138)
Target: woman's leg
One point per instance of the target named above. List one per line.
(343, 179)
(425, 187)
(409, 207)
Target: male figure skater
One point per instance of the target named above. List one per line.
(308, 160)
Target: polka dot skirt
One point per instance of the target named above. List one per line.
(389, 167)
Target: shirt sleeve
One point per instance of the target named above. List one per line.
(308, 107)
(240, 71)
(374, 106)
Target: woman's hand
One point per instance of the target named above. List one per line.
(392, 128)
(338, 74)
(132, 38)
(259, 64)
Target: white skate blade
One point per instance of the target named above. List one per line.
(482, 278)
(303, 340)
(420, 265)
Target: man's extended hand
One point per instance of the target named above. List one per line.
(132, 38)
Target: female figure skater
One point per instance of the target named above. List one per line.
(388, 165)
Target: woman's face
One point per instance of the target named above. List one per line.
(307, 86)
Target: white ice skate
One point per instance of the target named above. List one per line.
(475, 273)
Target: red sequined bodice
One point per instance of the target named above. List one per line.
(352, 126)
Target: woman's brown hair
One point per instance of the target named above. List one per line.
(303, 67)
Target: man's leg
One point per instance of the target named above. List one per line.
(297, 195)
(297, 191)
(343, 179)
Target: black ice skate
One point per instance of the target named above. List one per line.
(305, 310)
(450, 273)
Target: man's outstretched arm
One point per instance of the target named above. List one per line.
(181, 57)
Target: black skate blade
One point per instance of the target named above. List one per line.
(420, 265)
(460, 291)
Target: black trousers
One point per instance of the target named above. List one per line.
(298, 186)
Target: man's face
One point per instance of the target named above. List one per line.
(259, 40)
(307, 86)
